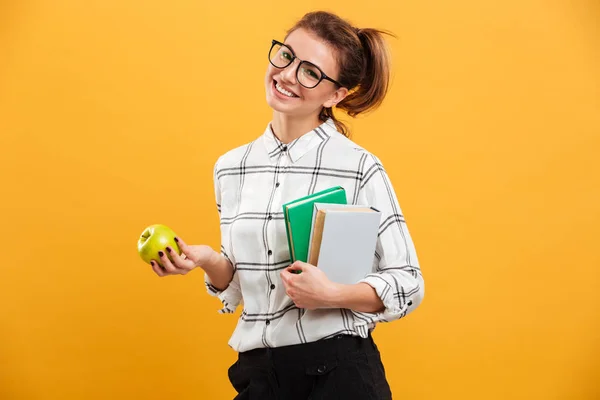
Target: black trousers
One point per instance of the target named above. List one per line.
(344, 367)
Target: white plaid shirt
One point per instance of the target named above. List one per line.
(252, 182)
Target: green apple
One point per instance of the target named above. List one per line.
(156, 238)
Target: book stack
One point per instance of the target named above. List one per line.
(339, 238)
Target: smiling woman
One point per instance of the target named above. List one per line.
(303, 336)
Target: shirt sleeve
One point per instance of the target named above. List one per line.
(396, 277)
(231, 296)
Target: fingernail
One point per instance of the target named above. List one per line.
(160, 253)
(176, 240)
(169, 249)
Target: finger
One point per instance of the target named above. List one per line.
(285, 277)
(179, 261)
(302, 266)
(185, 253)
(167, 264)
(296, 267)
(157, 269)
(185, 249)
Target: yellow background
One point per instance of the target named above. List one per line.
(113, 112)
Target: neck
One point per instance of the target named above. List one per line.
(289, 128)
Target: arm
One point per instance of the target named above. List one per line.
(220, 276)
(396, 279)
(219, 271)
(395, 286)
(359, 297)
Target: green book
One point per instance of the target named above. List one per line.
(298, 216)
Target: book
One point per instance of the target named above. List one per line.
(298, 217)
(319, 223)
(343, 240)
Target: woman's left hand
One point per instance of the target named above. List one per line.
(310, 289)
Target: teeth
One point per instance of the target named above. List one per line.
(283, 91)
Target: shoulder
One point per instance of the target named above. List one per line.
(370, 167)
(346, 147)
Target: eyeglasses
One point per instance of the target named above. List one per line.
(307, 73)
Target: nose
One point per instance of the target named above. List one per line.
(289, 72)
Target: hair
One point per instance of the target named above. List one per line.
(363, 59)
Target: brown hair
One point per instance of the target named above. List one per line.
(363, 59)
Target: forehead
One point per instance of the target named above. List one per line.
(309, 47)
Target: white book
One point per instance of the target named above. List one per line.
(343, 240)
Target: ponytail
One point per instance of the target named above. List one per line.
(375, 79)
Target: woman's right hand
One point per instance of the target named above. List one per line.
(192, 256)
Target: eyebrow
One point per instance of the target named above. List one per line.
(294, 51)
(290, 47)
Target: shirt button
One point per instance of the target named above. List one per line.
(284, 148)
(321, 369)
(272, 286)
(277, 184)
(270, 217)
(267, 322)
(269, 252)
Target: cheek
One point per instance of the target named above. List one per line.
(316, 95)
(271, 72)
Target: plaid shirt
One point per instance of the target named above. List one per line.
(252, 182)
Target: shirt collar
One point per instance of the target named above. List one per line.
(300, 146)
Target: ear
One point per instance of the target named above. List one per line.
(336, 97)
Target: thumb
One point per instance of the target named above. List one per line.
(299, 266)
(185, 249)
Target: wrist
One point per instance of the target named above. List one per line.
(219, 270)
(336, 296)
(211, 262)
(359, 297)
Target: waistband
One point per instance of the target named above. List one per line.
(339, 347)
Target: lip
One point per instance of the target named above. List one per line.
(281, 95)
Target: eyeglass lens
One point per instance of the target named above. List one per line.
(308, 75)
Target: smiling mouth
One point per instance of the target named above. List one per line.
(283, 91)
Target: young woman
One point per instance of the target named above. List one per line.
(301, 336)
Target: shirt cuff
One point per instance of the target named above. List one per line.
(395, 305)
(230, 297)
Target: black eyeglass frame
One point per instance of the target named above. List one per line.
(294, 58)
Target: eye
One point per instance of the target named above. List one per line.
(311, 72)
(286, 55)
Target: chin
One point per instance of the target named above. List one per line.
(282, 109)
(278, 106)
